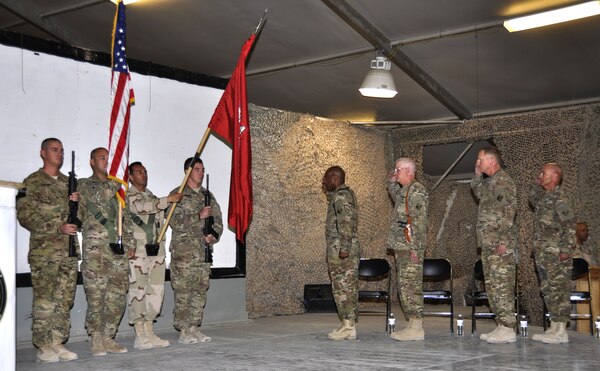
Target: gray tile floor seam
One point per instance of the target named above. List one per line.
(300, 343)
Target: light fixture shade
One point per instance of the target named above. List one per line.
(378, 83)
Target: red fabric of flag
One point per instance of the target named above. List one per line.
(122, 100)
(230, 121)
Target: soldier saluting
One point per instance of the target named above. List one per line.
(496, 237)
(43, 212)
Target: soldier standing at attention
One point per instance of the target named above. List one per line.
(343, 250)
(554, 237)
(190, 272)
(407, 238)
(496, 237)
(146, 271)
(43, 212)
(104, 270)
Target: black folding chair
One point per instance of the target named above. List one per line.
(375, 270)
(439, 270)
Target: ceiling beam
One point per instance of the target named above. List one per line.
(367, 30)
(38, 18)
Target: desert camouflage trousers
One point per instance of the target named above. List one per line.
(499, 272)
(344, 284)
(555, 284)
(146, 287)
(410, 283)
(105, 283)
(54, 284)
(190, 279)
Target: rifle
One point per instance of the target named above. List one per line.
(208, 227)
(73, 207)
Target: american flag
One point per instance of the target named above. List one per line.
(122, 100)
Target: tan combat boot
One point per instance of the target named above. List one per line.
(559, 336)
(502, 336)
(552, 329)
(154, 340)
(485, 336)
(187, 336)
(200, 336)
(63, 353)
(46, 354)
(142, 340)
(346, 332)
(97, 345)
(112, 346)
(413, 331)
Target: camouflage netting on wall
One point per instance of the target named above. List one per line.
(286, 242)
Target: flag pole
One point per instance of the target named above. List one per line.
(261, 23)
(188, 171)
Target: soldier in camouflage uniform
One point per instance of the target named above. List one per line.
(407, 239)
(581, 249)
(496, 237)
(146, 273)
(343, 250)
(554, 237)
(104, 272)
(43, 212)
(189, 272)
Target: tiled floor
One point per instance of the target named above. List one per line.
(300, 343)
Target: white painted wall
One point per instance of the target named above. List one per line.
(46, 96)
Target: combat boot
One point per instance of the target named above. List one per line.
(552, 329)
(187, 336)
(559, 336)
(413, 331)
(142, 340)
(200, 336)
(97, 345)
(63, 353)
(346, 332)
(46, 354)
(154, 340)
(485, 336)
(112, 346)
(502, 336)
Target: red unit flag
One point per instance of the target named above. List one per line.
(230, 121)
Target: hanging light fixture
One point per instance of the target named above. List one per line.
(125, 2)
(379, 82)
(568, 13)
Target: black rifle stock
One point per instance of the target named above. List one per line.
(208, 227)
(73, 207)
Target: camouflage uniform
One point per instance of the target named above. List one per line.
(189, 272)
(497, 196)
(53, 274)
(146, 273)
(554, 233)
(104, 273)
(340, 234)
(409, 274)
